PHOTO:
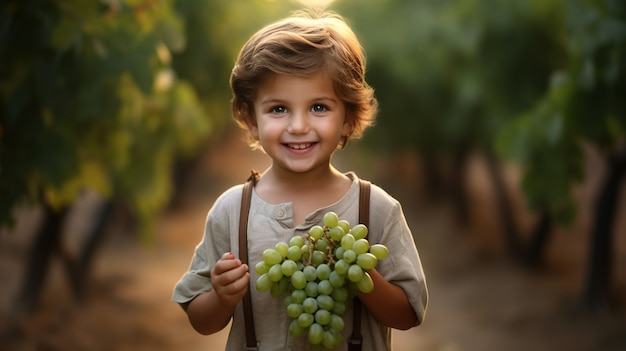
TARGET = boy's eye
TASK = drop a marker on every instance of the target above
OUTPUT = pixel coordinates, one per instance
(278, 109)
(319, 108)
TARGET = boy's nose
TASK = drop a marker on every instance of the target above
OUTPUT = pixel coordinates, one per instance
(298, 123)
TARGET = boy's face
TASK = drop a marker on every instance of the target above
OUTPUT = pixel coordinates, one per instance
(299, 121)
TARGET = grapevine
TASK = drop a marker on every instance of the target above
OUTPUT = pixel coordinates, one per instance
(318, 274)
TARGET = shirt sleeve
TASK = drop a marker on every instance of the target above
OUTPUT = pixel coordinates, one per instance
(403, 266)
(215, 242)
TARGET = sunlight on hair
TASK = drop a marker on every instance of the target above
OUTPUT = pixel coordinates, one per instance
(315, 3)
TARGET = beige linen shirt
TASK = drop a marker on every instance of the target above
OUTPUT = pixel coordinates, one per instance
(270, 223)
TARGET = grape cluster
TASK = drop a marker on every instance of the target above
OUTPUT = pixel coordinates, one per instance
(318, 274)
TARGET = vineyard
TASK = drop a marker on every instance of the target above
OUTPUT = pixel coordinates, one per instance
(502, 131)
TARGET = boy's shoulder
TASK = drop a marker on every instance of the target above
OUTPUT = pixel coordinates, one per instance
(378, 194)
(230, 198)
(381, 196)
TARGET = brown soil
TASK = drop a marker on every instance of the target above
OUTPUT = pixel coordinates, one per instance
(479, 298)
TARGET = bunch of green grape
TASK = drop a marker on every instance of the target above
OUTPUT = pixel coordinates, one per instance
(318, 274)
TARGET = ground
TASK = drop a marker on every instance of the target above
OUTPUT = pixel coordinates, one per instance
(479, 298)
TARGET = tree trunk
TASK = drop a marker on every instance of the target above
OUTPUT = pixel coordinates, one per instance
(46, 243)
(89, 250)
(458, 186)
(598, 277)
(432, 177)
(509, 228)
(534, 252)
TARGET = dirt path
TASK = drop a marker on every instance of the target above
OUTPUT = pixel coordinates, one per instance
(478, 299)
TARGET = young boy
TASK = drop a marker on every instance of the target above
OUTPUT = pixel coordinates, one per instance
(300, 93)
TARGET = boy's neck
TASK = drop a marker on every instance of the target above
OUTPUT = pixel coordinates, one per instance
(320, 178)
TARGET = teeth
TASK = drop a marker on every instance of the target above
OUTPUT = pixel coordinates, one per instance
(299, 146)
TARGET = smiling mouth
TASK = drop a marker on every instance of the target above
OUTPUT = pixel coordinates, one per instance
(299, 146)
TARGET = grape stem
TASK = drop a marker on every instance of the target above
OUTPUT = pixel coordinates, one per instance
(329, 254)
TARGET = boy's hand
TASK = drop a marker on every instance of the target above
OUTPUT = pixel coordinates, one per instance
(230, 279)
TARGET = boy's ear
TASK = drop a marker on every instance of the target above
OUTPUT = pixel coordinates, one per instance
(347, 128)
(251, 123)
(254, 131)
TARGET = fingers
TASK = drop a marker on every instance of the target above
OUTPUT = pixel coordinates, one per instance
(226, 263)
(230, 279)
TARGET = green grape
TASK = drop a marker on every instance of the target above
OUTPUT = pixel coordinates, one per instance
(330, 219)
(298, 280)
(261, 267)
(305, 249)
(339, 252)
(347, 241)
(271, 257)
(366, 284)
(296, 330)
(316, 232)
(339, 308)
(288, 300)
(349, 256)
(275, 273)
(342, 266)
(345, 225)
(323, 271)
(318, 274)
(298, 296)
(310, 273)
(309, 305)
(296, 241)
(336, 233)
(322, 317)
(332, 339)
(289, 267)
(336, 280)
(318, 258)
(380, 251)
(366, 261)
(294, 310)
(361, 246)
(322, 244)
(305, 253)
(311, 289)
(324, 287)
(359, 231)
(282, 248)
(294, 253)
(305, 320)
(336, 323)
(339, 294)
(279, 288)
(263, 283)
(325, 302)
(316, 334)
(284, 286)
(355, 273)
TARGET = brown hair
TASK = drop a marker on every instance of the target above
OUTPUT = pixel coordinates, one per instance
(304, 45)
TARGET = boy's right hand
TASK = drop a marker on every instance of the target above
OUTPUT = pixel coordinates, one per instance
(230, 279)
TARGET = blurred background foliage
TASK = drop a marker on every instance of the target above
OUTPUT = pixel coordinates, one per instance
(109, 95)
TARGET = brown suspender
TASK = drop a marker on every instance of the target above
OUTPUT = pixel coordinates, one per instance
(355, 340)
(251, 343)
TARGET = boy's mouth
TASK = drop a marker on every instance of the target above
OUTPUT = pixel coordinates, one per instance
(299, 146)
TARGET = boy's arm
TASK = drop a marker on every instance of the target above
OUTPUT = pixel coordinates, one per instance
(211, 311)
(389, 304)
(207, 314)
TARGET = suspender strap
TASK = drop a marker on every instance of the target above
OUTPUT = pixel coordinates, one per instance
(251, 343)
(355, 341)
